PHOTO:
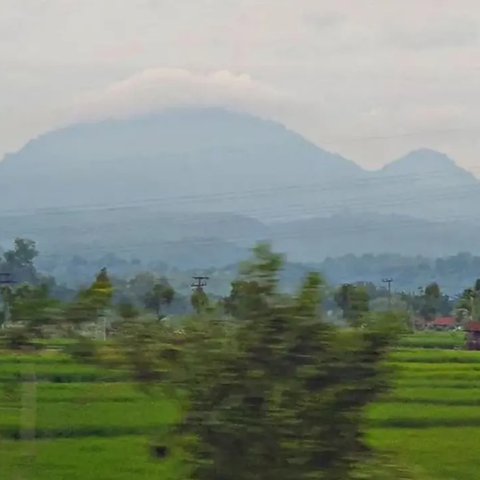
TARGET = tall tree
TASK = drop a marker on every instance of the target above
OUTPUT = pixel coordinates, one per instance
(353, 301)
(101, 290)
(95, 301)
(162, 294)
(199, 300)
(19, 261)
(23, 253)
(431, 302)
(277, 395)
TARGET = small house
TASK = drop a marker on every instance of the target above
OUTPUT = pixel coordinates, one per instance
(473, 335)
(444, 323)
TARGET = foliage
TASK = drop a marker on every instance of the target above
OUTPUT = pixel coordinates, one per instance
(100, 292)
(161, 294)
(469, 302)
(33, 308)
(127, 310)
(354, 302)
(199, 300)
(278, 394)
(15, 338)
(19, 261)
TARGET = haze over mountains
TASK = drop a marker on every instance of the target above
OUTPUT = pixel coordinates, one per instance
(221, 181)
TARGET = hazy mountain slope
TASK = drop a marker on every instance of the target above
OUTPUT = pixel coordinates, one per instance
(427, 184)
(218, 182)
(198, 160)
(147, 234)
(314, 239)
(190, 160)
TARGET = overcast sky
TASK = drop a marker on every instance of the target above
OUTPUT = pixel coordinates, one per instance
(368, 79)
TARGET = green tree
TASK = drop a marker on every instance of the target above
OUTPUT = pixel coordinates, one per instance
(354, 301)
(100, 292)
(272, 399)
(162, 294)
(199, 300)
(34, 310)
(469, 302)
(430, 302)
(277, 395)
(141, 285)
(90, 305)
(127, 310)
(19, 261)
(23, 254)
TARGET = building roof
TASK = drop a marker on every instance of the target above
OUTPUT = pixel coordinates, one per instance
(445, 322)
(473, 327)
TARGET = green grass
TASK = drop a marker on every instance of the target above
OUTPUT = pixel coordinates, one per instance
(120, 458)
(435, 453)
(420, 415)
(60, 372)
(45, 357)
(99, 418)
(435, 356)
(77, 393)
(444, 340)
(94, 425)
(436, 396)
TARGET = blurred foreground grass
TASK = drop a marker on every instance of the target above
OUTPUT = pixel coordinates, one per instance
(93, 425)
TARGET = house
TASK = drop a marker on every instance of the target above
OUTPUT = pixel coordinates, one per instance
(473, 335)
(444, 323)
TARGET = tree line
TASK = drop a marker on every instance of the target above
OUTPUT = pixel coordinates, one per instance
(36, 302)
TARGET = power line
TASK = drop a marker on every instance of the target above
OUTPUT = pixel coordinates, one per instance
(234, 195)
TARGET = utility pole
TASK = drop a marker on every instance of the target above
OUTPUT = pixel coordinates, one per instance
(6, 281)
(199, 299)
(389, 282)
(199, 282)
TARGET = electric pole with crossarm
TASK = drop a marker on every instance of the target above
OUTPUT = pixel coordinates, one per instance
(389, 282)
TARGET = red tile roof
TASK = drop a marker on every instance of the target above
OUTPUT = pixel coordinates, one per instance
(445, 322)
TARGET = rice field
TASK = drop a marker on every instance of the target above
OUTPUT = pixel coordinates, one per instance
(92, 424)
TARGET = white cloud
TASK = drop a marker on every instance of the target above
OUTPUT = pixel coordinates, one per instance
(159, 88)
(340, 72)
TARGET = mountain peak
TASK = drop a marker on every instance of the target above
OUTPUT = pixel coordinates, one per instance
(423, 157)
(423, 161)
(197, 153)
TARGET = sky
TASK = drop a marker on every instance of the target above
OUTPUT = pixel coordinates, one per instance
(370, 80)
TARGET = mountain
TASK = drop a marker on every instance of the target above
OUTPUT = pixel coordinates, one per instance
(194, 187)
(427, 184)
(182, 160)
(312, 240)
(138, 232)
(213, 160)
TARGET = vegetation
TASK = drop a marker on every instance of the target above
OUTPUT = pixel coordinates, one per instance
(427, 423)
(260, 380)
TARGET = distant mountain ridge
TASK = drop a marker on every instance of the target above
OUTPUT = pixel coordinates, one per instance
(216, 160)
(142, 184)
(188, 154)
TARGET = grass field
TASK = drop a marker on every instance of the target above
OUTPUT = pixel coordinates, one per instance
(92, 425)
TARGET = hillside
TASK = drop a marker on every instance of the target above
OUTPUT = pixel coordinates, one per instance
(190, 160)
(215, 182)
